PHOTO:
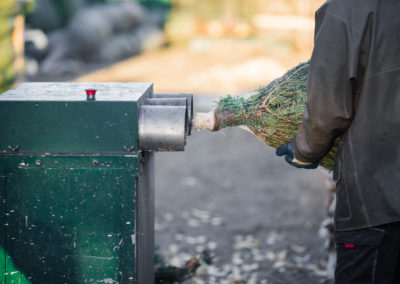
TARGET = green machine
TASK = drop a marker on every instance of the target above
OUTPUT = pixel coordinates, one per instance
(76, 179)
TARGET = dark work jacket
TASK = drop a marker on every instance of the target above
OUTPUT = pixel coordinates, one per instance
(354, 94)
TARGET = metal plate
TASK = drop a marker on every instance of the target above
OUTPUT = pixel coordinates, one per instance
(189, 99)
(162, 128)
(57, 118)
(69, 92)
(54, 127)
(2, 221)
(72, 218)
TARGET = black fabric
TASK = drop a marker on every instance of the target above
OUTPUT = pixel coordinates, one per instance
(368, 256)
(354, 94)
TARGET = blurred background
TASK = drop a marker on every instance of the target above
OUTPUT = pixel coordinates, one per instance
(257, 218)
(209, 47)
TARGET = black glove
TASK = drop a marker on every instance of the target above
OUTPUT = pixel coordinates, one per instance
(287, 150)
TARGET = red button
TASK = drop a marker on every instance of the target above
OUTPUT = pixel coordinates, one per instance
(91, 91)
(349, 246)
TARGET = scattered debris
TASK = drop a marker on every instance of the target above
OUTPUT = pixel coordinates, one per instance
(104, 32)
(173, 274)
(297, 249)
(242, 242)
(273, 238)
(196, 217)
(254, 258)
(248, 261)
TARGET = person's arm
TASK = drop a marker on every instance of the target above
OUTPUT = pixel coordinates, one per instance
(332, 76)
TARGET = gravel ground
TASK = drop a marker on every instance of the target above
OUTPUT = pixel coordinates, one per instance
(230, 195)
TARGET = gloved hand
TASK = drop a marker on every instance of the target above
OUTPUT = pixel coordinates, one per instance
(287, 150)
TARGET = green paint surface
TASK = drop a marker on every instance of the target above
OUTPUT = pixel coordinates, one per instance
(9, 273)
(89, 127)
(57, 117)
(70, 219)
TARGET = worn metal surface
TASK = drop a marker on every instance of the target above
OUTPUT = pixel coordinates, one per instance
(76, 180)
(76, 92)
(174, 102)
(77, 201)
(189, 99)
(71, 220)
(162, 128)
(161, 122)
(166, 102)
(2, 218)
(145, 219)
(40, 117)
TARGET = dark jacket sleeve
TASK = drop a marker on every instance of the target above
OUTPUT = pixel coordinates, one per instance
(332, 76)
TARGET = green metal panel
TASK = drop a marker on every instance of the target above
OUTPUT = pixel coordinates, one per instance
(8, 272)
(57, 118)
(77, 194)
(12, 274)
(57, 127)
(72, 218)
(2, 220)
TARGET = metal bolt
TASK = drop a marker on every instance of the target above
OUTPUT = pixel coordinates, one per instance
(38, 162)
(95, 163)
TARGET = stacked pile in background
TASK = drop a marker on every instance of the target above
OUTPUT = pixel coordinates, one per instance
(8, 73)
(65, 38)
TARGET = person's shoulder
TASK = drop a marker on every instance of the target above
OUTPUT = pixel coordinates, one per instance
(349, 5)
(345, 9)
